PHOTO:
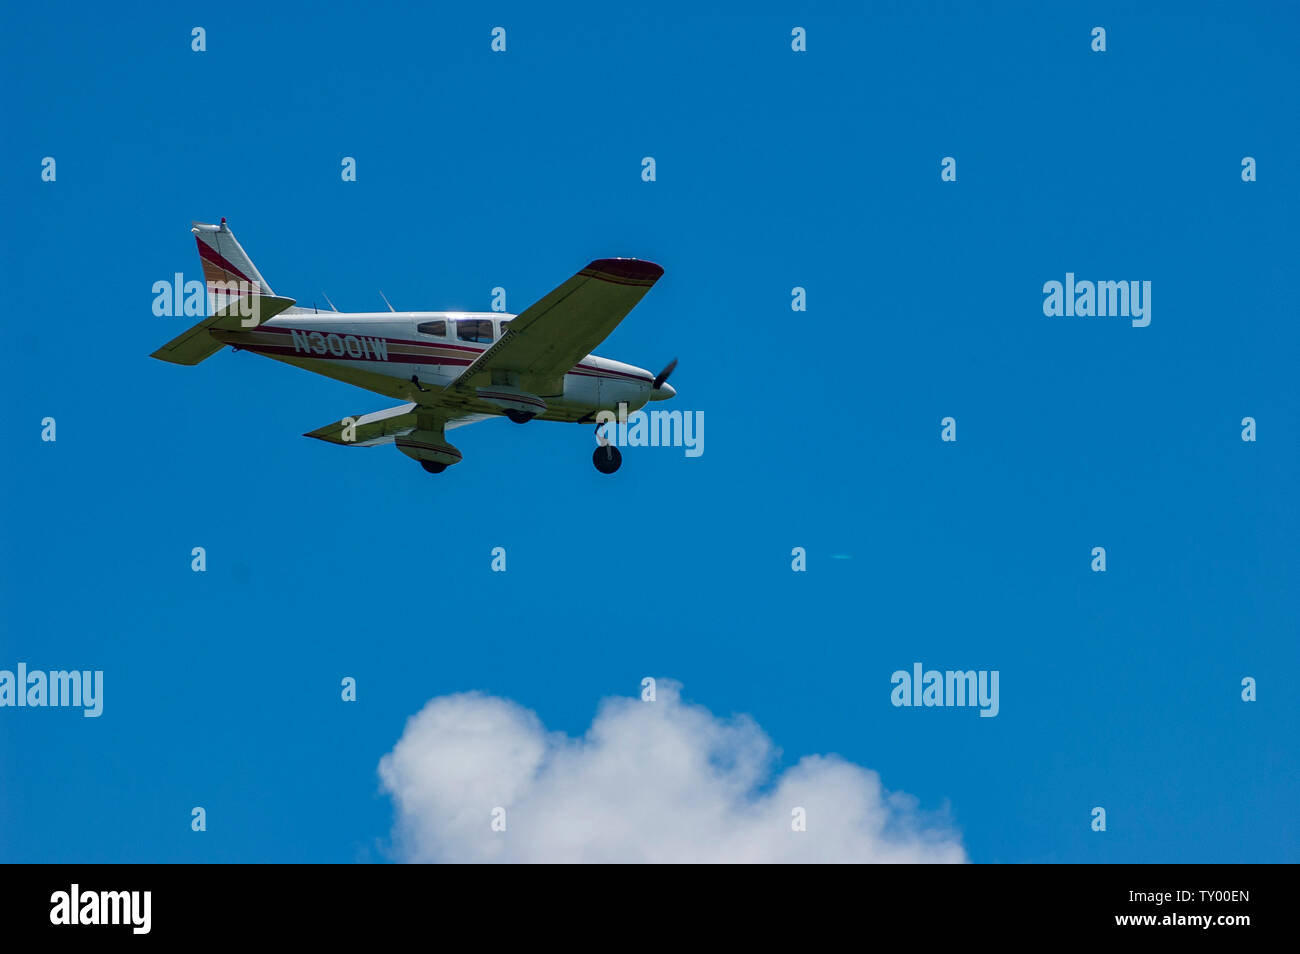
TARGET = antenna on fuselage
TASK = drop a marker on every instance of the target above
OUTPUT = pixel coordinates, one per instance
(327, 298)
(387, 302)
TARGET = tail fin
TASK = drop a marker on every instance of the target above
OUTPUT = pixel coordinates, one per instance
(231, 277)
(225, 263)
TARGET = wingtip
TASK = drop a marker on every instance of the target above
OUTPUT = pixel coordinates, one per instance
(627, 269)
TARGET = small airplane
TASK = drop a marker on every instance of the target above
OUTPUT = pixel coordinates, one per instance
(451, 368)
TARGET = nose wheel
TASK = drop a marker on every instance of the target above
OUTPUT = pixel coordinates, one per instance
(607, 459)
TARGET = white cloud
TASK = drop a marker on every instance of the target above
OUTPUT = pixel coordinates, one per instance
(662, 781)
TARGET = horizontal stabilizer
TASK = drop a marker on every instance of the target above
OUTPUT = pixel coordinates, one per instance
(195, 344)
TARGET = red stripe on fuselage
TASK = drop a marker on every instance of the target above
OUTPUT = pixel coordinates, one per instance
(583, 369)
(577, 368)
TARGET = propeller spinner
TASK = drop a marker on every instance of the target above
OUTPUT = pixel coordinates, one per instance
(662, 376)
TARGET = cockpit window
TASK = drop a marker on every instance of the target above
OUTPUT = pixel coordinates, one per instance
(438, 328)
(474, 329)
(504, 326)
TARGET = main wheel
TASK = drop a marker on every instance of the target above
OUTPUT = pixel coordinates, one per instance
(519, 417)
(432, 466)
(607, 459)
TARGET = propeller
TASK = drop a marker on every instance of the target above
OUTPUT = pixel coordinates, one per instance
(662, 376)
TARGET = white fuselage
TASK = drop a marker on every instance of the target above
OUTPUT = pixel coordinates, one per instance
(391, 352)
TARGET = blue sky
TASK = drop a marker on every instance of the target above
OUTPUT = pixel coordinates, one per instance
(774, 169)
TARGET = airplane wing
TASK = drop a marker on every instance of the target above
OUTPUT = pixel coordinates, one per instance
(548, 338)
(383, 427)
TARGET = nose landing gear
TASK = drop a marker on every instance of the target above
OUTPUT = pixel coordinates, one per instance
(607, 459)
